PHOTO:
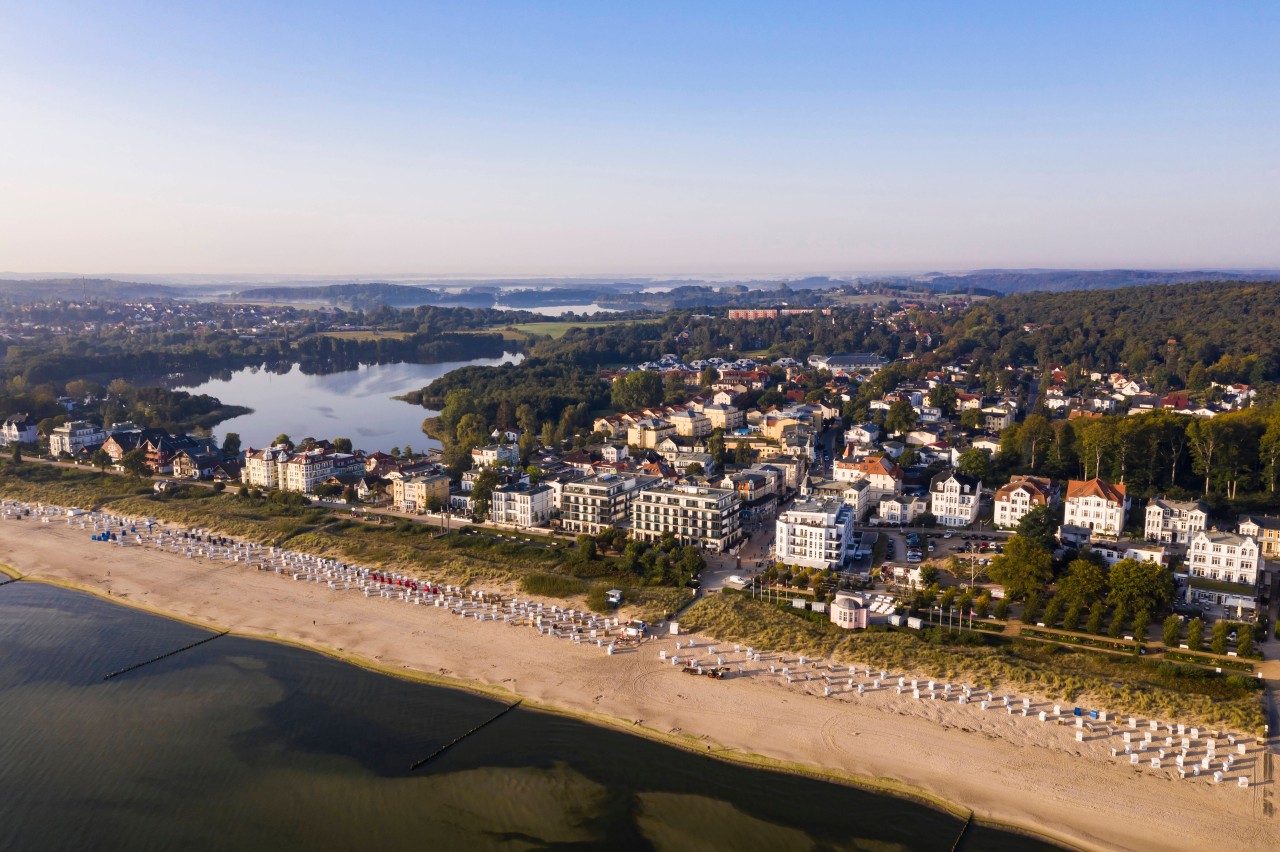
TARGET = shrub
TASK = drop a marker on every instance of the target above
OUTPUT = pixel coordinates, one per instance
(1002, 609)
(982, 605)
(1116, 630)
(552, 585)
(1141, 620)
(1244, 644)
(1096, 613)
(1172, 630)
(1071, 621)
(1052, 611)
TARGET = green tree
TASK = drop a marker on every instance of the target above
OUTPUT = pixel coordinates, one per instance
(586, 547)
(639, 389)
(1031, 609)
(1096, 613)
(1039, 525)
(283, 440)
(1002, 609)
(1195, 634)
(695, 469)
(134, 463)
(482, 493)
(101, 459)
(342, 445)
(971, 419)
(1071, 619)
(982, 605)
(708, 377)
(1172, 631)
(901, 417)
(1084, 582)
(1035, 435)
(976, 463)
(928, 575)
(1024, 569)
(1244, 640)
(15, 453)
(1052, 610)
(1218, 644)
(1139, 586)
(1141, 621)
(1118, 617)
(944, 397)
(231, 444)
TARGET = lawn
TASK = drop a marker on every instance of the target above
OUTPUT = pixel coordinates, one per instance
(557, 329)
(367, 335)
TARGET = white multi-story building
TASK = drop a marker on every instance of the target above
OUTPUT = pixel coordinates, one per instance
(1019, 496)
(648, 432)
(1174, 521)
(814, 534)
(522, 505)
(72, 437)
(262, 468)
(954, 498)
(495, 455)
(417, 493)
(1095, 507)
(901, 510)
(18, 429)
(1224, 569)
(301, 471)
(600, 502)
(726, 417)
(709, 518)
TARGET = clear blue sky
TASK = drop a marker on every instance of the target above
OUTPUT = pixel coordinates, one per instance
(654, 138)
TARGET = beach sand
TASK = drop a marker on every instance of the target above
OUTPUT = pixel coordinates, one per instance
(1007, 769)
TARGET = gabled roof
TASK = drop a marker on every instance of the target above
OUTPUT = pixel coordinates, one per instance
(1096, 488)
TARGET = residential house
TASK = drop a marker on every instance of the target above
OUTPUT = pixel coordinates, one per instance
(1224, 569)
(901, 510)
(1094, 507)
(499, 455)
(522, 504)
(18, 429)
(1264, 529)
(70, 438)
(418, 493)
(1020, 496)
(954, 498)
(1174, 521)
(883, 474)
(648, 432)
(690, 424)
(724, 416)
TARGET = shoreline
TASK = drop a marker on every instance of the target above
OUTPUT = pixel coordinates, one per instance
(774, 737)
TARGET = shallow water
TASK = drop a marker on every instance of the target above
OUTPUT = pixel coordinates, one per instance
(242, 744)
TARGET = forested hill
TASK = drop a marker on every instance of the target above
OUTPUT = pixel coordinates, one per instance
(1059, 280)
(101, 289)
(1162, 330)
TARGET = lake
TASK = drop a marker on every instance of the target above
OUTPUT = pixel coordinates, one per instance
(243, 744)
(355, 404)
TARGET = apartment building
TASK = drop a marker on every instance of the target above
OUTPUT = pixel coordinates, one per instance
(1265, 530)
(415, 493)
(1224, 569)
(1174, 521)
(709, 518)
(814, 534)
(1019, 496)
(954, 498)
(690, 423)
(600, 502)
(521, 504)
(1095, 507)
(70, 438)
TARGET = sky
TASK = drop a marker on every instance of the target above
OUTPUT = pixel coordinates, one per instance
(564, 138)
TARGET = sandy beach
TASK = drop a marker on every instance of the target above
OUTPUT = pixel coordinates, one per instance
(1005, 768)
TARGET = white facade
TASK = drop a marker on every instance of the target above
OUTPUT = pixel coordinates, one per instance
(814, 534)
(902, 510)
(18, 429)
(709, 518)
(1224, 570)
(1096, 506)
(954, 498)
(1174, 521)
(71, 437)
(1020, 496)
(495, 454)
(521, 505)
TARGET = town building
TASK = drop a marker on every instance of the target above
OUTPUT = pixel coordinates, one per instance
(709, 518)
(18, 429)
(603, 501)
(883, 475)
(419, 493)
(954, 498)
(522, 504)
(1019, 496)
(1223, 571)
(727, 417)
(814, 534)
(848, 612)
(648, 432)
(1174, 521)
(71, 438)
(690, 423)
(1094, 507)
(843, 365)
(1265, 530)
(499, 455)
(901, 510)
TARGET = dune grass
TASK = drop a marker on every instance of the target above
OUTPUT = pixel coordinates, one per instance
(1116, 683)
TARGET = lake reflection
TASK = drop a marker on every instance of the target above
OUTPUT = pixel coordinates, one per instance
(355, 404)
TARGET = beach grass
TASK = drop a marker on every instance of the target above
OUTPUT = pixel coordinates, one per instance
(1116, 683)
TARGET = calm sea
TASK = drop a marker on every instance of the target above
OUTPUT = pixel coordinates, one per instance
(241, 744)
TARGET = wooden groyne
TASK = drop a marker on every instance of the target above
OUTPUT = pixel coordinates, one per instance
(968, 821)
(127, 669)
(10, 580)
(504, 711)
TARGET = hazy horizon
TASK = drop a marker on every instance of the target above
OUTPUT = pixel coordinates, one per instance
(744, 139)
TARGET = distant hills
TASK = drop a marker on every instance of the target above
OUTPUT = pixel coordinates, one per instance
(1060, 280)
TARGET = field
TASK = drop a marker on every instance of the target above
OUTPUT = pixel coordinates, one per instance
(557, 329)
